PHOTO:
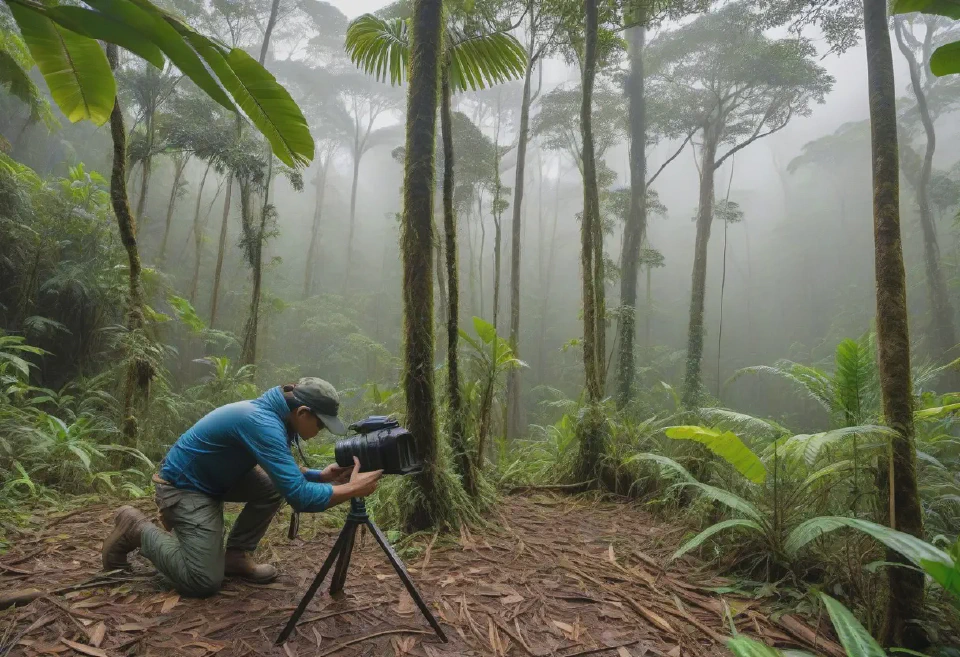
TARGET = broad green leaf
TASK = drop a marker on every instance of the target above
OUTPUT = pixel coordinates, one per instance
(945, 60)
(75, 68)
(725, 445)
(833, 468)
(15, 61)
(853, 636)
(98, 25)
(948, 8)
(727, 498)
(485, 330)
(741, 646)
(262, 99)
(82, 455)
(946, 576)
(912, 548)
(664, 462)
(700, 538)
(152, 23)
(936, 412)
(810, 445)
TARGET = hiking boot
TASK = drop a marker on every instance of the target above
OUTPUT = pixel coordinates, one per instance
(238, 563)
(125, 538)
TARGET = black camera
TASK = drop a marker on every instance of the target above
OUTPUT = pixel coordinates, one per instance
(380, 444)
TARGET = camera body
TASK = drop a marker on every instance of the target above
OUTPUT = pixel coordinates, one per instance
(381, 444)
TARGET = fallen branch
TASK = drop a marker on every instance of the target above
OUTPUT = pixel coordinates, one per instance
(352, 642)
(594, 651)
(19, 598)
(523, 489)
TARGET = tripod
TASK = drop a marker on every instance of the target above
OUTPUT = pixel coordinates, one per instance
(341, 553)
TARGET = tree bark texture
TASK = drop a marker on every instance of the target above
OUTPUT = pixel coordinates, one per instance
(636, 227)
(592, 356)
(905, 602)
(458, 438)
(417, 251)
(698, 292)
(139, 371)
(942, 327)
(514, 418)
(221, 247)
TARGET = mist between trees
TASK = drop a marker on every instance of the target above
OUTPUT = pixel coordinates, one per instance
(698, 234)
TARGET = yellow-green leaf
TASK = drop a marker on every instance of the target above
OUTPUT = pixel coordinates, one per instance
(75, 68)
(727, 446)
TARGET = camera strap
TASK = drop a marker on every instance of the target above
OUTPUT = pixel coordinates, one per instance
(294, 515)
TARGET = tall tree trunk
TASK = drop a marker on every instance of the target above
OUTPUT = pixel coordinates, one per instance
(636, 226)
(221, 248)
(139, 371)
(545, 293)
(698, 290)
(592, 357)
(256, 233)
(353, 213)
(417, 255)
(514, 418)
(905, 602)
(483, 244)
(145, 169)
(198, 237)
(179, 166)
(591, 425)
(441, 277)
(649, 314)
(458, 438)
(944, 335)
(497, 264)
(321, 184)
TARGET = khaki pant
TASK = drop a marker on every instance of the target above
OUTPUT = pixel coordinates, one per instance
(192, 556)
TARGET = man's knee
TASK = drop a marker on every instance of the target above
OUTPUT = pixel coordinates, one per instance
(201, 585)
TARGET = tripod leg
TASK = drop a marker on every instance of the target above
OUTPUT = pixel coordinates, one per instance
(312, 591)
(343, 563)
(405, 578)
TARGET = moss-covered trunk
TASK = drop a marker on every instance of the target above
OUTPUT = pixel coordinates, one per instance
(941, 325)
(458, 439)
(636, 226)
(514, 423)
(416, 241)
(905, 602)
(698, 291)
(136, 385)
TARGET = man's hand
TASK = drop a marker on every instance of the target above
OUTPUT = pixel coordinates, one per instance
(334, 474)
(360, 484)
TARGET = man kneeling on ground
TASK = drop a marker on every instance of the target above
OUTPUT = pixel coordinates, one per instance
(237, 453)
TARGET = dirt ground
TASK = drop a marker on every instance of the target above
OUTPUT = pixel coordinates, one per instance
(553, 576)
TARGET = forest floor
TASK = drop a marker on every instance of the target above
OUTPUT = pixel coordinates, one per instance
(552, 575)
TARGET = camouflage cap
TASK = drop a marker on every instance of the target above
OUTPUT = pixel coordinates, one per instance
(321, 398)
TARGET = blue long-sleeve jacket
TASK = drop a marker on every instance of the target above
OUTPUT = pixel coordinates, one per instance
(231, 440)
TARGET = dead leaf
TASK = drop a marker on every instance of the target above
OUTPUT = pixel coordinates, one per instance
(133, 627)
(450, 579)
(97, 634)
(623, 652)
(674, 652)
(609, 612)
(566, 627)
(610, 556)
(406, 606)
(86, 650)
(170, 603)
(511, 599)
(290, 651)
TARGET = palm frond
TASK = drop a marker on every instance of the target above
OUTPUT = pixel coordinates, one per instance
(484, 60)
(379, 47)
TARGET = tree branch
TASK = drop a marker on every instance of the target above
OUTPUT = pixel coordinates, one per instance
(672, 157)
(756, 135)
